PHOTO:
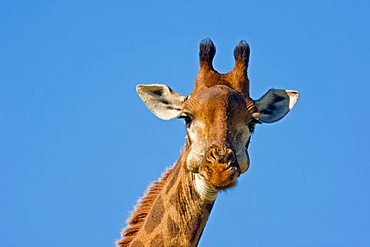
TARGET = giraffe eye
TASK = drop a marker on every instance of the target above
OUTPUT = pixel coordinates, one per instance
(188, 121)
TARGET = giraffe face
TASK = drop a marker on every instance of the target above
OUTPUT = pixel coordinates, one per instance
(218, 133)
(219, 116)
(219, 126)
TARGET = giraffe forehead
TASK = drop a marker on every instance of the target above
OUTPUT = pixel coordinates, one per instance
(219, 101)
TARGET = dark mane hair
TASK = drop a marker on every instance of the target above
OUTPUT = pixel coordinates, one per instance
(138, 216)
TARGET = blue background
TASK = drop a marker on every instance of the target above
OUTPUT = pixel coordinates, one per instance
(78, 147)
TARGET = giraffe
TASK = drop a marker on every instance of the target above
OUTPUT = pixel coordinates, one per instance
(219, 116)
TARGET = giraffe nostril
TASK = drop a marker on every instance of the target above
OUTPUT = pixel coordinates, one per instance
(212, 155)
(229, 156)
(221, 155)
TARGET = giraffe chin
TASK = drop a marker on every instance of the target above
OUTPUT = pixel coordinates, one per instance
(220, 176)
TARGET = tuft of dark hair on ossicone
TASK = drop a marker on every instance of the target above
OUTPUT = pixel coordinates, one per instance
(207, 51)
(241, 54)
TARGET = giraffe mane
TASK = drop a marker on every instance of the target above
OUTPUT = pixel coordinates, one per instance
(142, 209)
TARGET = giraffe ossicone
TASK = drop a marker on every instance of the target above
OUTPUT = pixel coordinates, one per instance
(220, 117)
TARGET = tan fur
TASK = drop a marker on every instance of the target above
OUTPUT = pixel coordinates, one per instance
(176, 214)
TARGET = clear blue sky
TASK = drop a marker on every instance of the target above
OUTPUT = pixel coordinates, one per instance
(78, 147)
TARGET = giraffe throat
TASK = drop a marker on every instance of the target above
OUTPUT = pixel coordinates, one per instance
(173, 212)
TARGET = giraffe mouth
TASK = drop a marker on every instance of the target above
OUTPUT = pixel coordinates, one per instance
(220, 176)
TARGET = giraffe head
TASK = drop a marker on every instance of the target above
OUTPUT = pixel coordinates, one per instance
(219, 115)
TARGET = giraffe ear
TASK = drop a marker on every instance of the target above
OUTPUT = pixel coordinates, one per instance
(161, 100)
(275, 104)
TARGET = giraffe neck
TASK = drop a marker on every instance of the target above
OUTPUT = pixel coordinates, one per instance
(179, 212)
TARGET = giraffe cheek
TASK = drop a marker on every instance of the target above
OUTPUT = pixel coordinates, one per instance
(193, 166)
(194, 160)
